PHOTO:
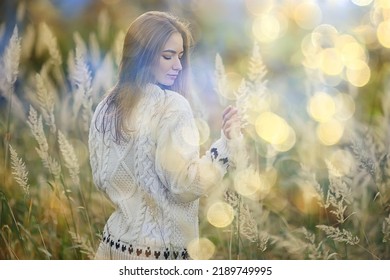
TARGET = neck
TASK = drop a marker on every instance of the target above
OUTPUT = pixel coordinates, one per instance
(163, 87)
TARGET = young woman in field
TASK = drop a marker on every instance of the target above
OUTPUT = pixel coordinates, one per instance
(144, 149)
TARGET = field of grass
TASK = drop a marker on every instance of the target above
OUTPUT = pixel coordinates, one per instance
(311, 182)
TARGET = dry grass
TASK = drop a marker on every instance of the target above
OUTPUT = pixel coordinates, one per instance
(299, 202)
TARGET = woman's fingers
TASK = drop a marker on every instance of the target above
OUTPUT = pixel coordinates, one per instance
(231, 122)
(229, 113)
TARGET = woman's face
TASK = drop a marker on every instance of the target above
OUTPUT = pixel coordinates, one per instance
(169, 63)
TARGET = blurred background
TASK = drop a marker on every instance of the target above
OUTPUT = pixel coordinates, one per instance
(310, 77)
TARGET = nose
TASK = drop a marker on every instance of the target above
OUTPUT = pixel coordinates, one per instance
(177, 65)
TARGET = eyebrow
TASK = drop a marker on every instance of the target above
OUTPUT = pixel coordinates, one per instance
(172, 51)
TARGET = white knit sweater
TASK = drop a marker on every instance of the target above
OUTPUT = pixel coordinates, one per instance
(155, 178)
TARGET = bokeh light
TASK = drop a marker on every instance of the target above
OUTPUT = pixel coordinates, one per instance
(358, 73)
(383, 32)
(266, 28)
(201, 249)
(321, 107)
(247, 182)
(307, 15)
(324, 36)
(331, 62)
(255, 105)
(351, 52)
(345, 106)
(330, 132)
(288, 143)
(220, 214)
(272, 128)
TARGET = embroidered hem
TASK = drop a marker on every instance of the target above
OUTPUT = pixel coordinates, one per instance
(110, 248)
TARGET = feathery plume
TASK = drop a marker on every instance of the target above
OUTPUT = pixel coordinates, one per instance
(263, 240)
(339, 195)
(50, 41)
(257, 69)
(36, 127)
(11, 58)
(248, 225)
(19, 171)
(309, 178)
(242, 101)
(221, 80)
(365, 160)
(46, 103)
(82, 82)
(84, 244)
(81, 46)
(339, 235)
(70, 158)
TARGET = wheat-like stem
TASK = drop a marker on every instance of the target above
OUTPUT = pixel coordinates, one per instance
(71, 162)
(70, 158)
(10, 65)
(257, 68)
(83, 244)
(51, 43)
(46, 103)
(221, 86)
(336, 234)
(36, 127)
(19, 171)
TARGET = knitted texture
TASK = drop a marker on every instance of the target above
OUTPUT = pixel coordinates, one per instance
(155, 178)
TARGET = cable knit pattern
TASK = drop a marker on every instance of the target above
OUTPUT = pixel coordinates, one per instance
(155, 178)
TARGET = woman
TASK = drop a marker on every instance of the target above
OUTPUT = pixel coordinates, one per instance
(144, 149)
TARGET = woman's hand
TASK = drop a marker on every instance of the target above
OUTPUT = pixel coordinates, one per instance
(231, 122)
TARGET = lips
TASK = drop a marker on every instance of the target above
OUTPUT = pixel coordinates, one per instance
(172, 76)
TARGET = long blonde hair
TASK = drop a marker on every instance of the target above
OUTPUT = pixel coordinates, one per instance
(143, 43)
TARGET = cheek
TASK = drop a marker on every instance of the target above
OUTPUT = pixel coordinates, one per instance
(164, 66)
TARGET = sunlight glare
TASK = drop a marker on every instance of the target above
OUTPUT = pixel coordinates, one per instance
(220, 214)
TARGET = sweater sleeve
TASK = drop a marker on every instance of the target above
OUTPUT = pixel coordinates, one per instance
(178, 164)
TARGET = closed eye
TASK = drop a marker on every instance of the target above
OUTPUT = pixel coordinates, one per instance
(168, 54)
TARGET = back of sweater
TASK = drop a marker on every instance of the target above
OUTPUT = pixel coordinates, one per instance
(155, 178)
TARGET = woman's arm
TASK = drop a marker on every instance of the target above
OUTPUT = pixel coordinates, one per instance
(178, 164)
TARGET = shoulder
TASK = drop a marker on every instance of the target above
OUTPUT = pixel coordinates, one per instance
(176, 101)
(168, 100)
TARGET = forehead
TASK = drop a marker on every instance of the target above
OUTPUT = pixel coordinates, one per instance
(175, 42)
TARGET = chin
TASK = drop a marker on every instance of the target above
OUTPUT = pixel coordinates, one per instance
(168, 84)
